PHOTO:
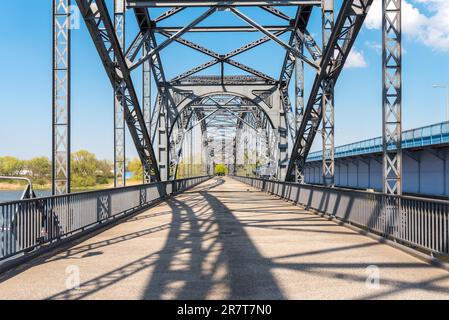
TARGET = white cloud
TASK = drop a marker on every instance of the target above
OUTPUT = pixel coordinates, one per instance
(355, 60)
(374, 45)
(429, 26)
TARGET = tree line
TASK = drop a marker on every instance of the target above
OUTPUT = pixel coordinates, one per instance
(87, 170)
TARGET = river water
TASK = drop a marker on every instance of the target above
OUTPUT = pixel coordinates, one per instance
(11, 195)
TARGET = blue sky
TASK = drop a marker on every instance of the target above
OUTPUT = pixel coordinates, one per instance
(25, 60)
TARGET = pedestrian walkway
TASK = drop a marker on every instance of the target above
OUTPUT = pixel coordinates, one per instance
(225, 240)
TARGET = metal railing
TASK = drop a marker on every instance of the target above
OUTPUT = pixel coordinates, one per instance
(419, 137)
(26, 225)
(417, 222)
(28, 192)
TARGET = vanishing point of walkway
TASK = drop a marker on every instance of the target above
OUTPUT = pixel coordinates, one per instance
(224, 239)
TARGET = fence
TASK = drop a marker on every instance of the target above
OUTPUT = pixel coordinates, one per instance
(417, 222)
(28, 224)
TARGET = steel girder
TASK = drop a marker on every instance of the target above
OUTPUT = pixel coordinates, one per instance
(291, 63)
(238, 80)
(165, 110)
(168, 14)
(327, 132)
(348, 24)
(119, 116)
(100, 27)
(172, 38)
(270, 28)
(61, 98)
(276, 12)
(299, 87)
(225, 3)
(146, 96)
(286, 46)
(221, 59)
(391, 96)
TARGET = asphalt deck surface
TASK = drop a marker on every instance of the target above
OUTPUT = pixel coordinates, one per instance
(225, 240)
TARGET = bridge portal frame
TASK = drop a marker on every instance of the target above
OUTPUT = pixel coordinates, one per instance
(269, 104)
(327, 63)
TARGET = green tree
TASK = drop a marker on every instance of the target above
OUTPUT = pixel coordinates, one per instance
(11, 166)
(221, 169)
(135, 166)
(105, 171)
(85, 169)
(40, 170)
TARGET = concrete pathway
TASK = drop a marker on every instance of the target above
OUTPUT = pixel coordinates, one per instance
(224, 239)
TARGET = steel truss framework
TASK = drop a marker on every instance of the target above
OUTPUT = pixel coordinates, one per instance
(350, 19)
(100, 26)
(175, 112)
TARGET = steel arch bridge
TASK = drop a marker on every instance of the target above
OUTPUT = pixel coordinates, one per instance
(251, 122)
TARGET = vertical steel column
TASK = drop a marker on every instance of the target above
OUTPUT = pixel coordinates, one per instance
(223, 148)
(61, 98)
(119, 115)
(164, 147)
(299, 94)
(328, 101)
(327, 7)
(391, 95)
(245, 151)
(191, 153)
(146, 95)
(234, 153)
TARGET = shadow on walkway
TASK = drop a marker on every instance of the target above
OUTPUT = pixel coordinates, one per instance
(208, 253)
(210, 250)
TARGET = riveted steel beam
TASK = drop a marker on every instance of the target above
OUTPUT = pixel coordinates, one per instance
(226, 3)
(208, 29)
(100, 27)
(347, 26)
(221, 59)
(172, 38)
(392, 96)
(274, 38)
(119, 114)
(61, 98)
(327, 132)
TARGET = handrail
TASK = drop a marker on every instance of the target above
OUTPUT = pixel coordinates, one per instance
(416, 222)
(406, 197)
(29, 224)
(96, 191)
(28, 190)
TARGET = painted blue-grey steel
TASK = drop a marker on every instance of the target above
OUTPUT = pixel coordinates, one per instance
(27, 225)
(416, 222)
(420, 137)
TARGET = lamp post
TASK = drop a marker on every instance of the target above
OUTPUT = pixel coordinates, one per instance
(446, 87)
